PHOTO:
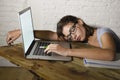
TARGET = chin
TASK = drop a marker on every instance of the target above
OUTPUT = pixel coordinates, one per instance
(82, 39)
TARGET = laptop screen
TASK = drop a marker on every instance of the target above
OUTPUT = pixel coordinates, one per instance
(27, 27)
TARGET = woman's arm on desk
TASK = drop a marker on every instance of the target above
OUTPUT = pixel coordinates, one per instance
(41, 34)
(45, 34)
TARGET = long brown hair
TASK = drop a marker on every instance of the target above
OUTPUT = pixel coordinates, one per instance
(69, 18)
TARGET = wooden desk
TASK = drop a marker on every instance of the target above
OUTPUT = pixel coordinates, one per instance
(16, 73)
(57, 70)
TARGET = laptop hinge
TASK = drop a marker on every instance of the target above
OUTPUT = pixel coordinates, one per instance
(30, 48)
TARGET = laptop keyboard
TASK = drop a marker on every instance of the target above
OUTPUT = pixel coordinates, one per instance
(40, 49)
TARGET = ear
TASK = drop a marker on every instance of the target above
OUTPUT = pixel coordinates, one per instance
(80, 22)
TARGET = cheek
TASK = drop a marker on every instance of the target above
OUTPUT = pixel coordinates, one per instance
(82, 34)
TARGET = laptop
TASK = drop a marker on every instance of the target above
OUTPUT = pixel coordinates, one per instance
(34, 48)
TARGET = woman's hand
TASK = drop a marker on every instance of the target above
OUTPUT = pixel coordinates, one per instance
(57, 49)
(12, 36)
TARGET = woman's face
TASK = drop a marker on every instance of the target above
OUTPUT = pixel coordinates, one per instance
(77, 30)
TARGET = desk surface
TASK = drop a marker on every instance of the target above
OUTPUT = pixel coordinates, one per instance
(16, 73)
(57, 70)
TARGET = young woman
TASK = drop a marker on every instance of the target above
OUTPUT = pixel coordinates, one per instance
(71, 28)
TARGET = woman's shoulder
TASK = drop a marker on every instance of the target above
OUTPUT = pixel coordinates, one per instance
(104, 29)
(101, 31)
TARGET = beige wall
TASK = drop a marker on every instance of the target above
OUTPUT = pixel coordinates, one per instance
(9, 17)
(46, 13)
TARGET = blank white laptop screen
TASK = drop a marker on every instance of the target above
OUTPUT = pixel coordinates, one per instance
(27, 29)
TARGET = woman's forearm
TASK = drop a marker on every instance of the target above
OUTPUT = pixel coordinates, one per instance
(93, 53)
(45, 34)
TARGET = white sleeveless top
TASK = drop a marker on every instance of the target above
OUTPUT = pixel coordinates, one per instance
(101, 31)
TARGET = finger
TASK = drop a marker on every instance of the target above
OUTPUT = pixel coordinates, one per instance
(11, 40)
(49, 47)
(8, 38)
(52, 46)
(9, 43)
(49, 51)
(46, 49)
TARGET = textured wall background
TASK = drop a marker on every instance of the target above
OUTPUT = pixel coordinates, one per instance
(46, 13)
(9, 17)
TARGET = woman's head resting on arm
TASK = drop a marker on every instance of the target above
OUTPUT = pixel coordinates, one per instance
(72, 28)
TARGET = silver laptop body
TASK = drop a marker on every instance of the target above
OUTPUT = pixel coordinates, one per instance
(34, 49)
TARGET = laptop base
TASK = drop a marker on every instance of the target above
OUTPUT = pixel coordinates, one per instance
(60, 58)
